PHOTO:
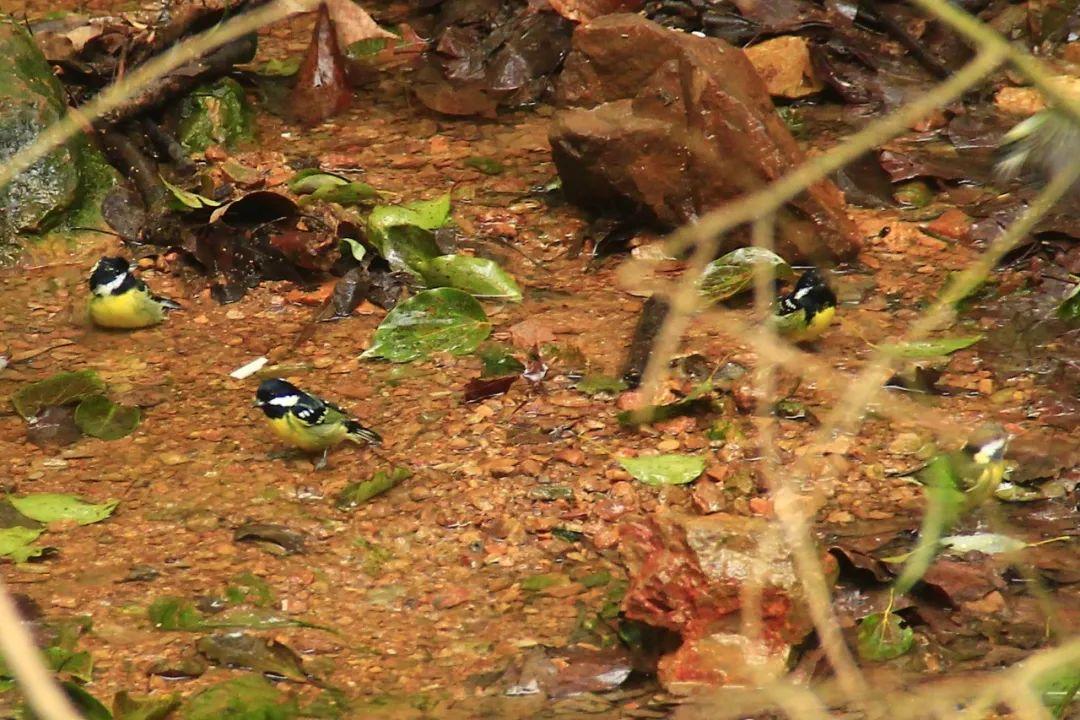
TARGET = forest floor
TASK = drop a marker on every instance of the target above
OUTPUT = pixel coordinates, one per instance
(430, 589)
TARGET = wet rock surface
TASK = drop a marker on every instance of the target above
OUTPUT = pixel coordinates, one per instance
(687, 575)
(671, 125)
(30, 100)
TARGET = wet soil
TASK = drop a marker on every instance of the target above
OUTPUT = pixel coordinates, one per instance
(423, 584)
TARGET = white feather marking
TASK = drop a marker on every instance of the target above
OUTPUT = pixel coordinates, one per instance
(107, 288)
(285, 401)
(991, 449)
(803, 292)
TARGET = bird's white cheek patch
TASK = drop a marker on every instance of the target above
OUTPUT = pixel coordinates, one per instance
(108, 287)
(285, 401)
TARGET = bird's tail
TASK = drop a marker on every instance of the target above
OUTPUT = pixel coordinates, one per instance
(167, 303)
(360, 434)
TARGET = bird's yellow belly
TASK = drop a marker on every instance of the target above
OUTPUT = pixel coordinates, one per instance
(816, 327)
(128, 311)
(307, 437)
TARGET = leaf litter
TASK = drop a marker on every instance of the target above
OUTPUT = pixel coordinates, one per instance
(507, 488)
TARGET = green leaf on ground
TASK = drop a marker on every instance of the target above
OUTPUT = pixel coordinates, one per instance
(77, 665)
(443, 320)
(358, 493)
(249, 588)
(100, 417)
(486, 165)
(215, 114)
(403, 234)
(286, 67)
(64, 388)
(498, 361)
(986, 543)
(883, 636)
(151, 707)
(930, 348)
(366, 48)
(664, 469)
(17, 543)
(49, 507)
(174, 613)
(536, 583)
(733, 273)
(187, 200)
(479, 277)
(354, 248)
(246, 698)
(311, 180)
(88, 706)
(353, 193)
(600, 384)
(1069, 309)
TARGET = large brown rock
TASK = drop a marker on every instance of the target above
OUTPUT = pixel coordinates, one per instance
(676, 125)
(687, 574)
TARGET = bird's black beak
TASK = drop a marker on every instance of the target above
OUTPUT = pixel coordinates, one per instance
(258, 404)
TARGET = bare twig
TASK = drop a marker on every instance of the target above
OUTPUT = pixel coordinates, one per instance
(22, 656)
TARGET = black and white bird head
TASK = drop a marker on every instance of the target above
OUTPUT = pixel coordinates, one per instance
(277, 397)
(987, 444)
(111, 276)
(811, 293)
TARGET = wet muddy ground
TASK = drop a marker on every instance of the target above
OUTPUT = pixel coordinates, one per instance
(426, 587)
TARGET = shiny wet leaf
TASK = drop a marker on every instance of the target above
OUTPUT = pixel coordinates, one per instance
(241, 650)
(246, 698)
(479, 277)
(883, 636)
(443, 320)
(358, 493)
(100, 417)
(671, 469)
(930, 348)
(61, 389)
(733, 273)
(50, 507)
(151, 707)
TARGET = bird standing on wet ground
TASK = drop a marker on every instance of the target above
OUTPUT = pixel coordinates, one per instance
(805, 313)
(957, 483)
(307, 422)
(119, 300)
(1047, 142)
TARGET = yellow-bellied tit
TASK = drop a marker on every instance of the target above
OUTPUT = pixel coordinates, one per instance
(308, 422)
(803, 314)
(118, 299)
(1047, 141)
(956, 483)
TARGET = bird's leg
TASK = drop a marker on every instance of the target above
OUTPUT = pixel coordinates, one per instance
(321, 462)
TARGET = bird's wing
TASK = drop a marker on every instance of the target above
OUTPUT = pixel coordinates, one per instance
(167, 303)
(311, 410)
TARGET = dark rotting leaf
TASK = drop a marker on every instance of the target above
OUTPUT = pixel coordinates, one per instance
(241, 650)
(288, 541)
(479, 388)
(653, 313)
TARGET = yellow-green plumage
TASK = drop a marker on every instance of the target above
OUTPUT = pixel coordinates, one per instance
(796, 329)
(310, 438)
(307, 422)
(133, 309)
(805, 313)
(956, 484)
